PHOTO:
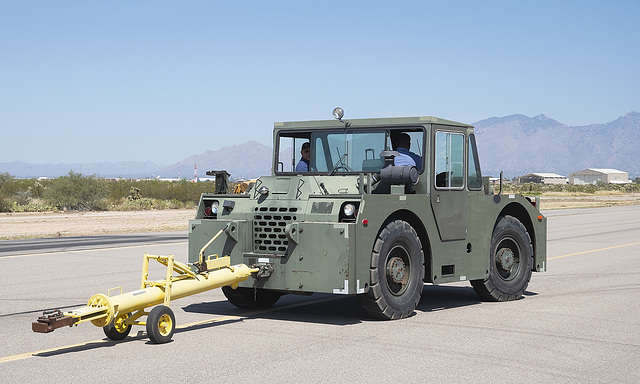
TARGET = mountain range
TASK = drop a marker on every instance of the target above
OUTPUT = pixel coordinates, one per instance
(519, 145)
(243, 161)
(515, 144)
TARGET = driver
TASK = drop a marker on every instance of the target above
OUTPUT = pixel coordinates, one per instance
(303, 164)
(402, 144)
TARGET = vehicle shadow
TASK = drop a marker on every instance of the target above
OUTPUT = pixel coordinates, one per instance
(337, 310)
(442, 297)
(318, 308)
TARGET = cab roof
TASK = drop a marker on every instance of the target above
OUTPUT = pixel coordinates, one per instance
(356, 123)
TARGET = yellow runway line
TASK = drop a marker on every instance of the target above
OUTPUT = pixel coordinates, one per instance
(595, 250)
(31, 354)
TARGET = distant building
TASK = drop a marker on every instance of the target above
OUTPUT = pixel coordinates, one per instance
(543, 178)
(496, 180)
(595, 175)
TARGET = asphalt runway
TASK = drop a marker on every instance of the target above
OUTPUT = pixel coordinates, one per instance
(68, 244)
(578, 323)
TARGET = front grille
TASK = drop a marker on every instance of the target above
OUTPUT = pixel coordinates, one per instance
(268, 229)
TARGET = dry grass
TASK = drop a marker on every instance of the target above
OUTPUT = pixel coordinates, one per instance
(59, 224)
(558, 200)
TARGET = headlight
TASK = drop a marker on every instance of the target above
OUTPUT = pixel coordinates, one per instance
(214, 207)
(338, 113)
(349, 209)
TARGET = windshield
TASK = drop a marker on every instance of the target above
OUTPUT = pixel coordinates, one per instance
(348, 151)
(334, 152)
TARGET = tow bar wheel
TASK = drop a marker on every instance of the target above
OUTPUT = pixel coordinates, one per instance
(117, 329)
(161, 323)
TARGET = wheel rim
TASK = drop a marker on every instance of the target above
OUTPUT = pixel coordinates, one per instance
(120, 325)
(507, 258)
(101, 300)
(398, 270)
(165, 325)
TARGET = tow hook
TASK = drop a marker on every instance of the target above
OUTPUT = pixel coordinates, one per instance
(51, 320)
(264, 270)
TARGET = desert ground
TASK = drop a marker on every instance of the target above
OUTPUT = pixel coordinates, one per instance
(58, 224)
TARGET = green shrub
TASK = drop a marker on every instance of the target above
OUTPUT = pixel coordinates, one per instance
(22, 197)
(5, 204)
(34, 205)
(77, 192)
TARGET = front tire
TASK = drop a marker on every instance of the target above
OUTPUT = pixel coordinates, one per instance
(251, 298)
(117, 329)
(396, 273)
(510, 265)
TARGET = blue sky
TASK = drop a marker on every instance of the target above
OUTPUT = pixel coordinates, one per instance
(89, 81)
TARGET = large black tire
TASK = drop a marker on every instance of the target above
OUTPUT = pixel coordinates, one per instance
(511, 261)
(396, 272)
(161, 323)
(117, 329)
(251, 298)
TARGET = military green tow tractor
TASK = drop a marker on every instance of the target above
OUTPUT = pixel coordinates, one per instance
(381, 207)
(367, 207)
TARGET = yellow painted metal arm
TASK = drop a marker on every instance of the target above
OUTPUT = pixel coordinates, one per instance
(102, 309)
(201, 254)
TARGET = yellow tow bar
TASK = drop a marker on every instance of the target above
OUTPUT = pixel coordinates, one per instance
(116, 314)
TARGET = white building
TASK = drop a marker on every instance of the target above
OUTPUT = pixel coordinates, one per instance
(595, 175)
(543, 178)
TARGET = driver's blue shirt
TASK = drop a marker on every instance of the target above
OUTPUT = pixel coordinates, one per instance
(303, 165)
(408, 158)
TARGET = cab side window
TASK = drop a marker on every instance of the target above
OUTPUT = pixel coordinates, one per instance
(289, 150)
(449, 160)
(474, 177)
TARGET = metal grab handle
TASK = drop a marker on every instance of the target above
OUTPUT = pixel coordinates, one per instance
(201, 254)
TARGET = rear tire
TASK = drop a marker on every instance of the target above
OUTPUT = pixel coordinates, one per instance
(396, 273)
(510, 263)
(251, 298)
